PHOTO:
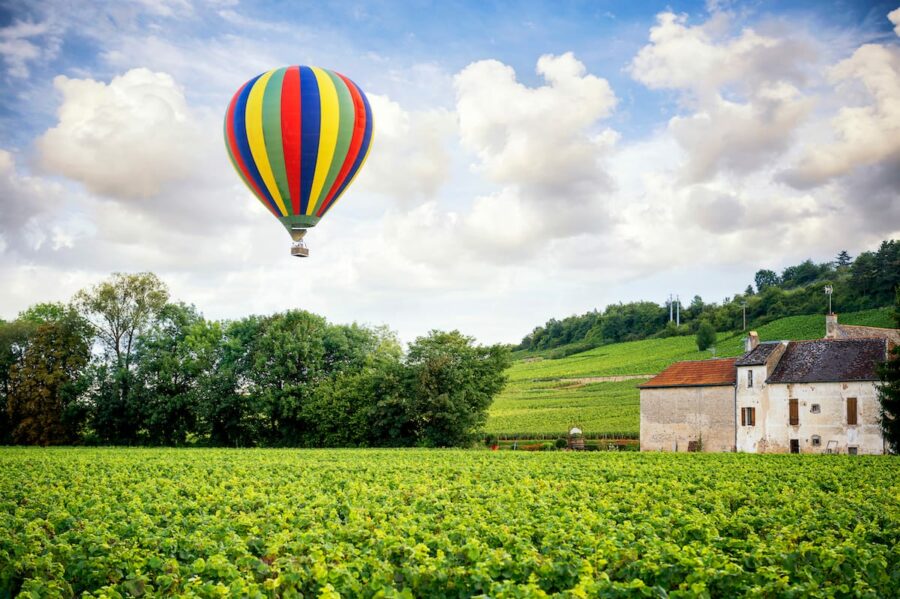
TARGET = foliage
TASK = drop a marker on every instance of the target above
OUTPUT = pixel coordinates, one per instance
(867, 282)
(765, 278)
(122, 307)
(452, 382)
(889, 391)
(414, 523)
(706, 336)
(843, 259)
(14, 339)
(43, 385)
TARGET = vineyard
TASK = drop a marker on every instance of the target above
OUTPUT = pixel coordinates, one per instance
(548, 396)
(420, 523)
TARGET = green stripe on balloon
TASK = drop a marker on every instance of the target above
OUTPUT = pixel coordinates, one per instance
(344, 137)
(271, 117)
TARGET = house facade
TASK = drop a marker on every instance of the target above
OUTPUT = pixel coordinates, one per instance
(817, 396)
(689, 407)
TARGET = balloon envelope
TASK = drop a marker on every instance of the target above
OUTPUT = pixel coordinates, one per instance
(297, 136)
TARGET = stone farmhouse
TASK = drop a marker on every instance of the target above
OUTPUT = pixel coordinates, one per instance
(816, 396)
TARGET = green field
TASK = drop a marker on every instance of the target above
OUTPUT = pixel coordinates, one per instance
(555, 406)
(538, 399)
(433, 523)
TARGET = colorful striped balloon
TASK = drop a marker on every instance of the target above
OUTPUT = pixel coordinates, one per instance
(297, 136)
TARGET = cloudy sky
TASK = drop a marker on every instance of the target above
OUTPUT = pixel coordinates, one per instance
(530, 159)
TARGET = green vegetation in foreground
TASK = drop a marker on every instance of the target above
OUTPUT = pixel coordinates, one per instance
(536, 400)
(405, 523)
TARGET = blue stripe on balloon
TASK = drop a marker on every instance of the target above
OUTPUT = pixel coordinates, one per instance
(363, 150)
(240, 135)
(310, 124)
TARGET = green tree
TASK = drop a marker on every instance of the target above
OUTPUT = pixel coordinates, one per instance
(706, 336)
(167, 374)
(843, 259)
(765, 279)
(45, 384)
(119, 310)
(229, 414)
(15, 337)
(44, 313)
(889, 391)
(451, 384)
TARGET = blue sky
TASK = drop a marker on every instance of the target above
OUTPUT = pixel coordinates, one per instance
(530, 160)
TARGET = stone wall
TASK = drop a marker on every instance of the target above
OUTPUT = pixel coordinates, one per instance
(672, 417)
(829, 423)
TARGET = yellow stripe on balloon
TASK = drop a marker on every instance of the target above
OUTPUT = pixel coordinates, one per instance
(328, 133)
(254, 120)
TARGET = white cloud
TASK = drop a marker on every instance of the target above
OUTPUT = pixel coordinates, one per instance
(534, 136)
(409, 158)
(894, 17)
(864, 133)
(742, 91)
(124, 139)
(25, 42)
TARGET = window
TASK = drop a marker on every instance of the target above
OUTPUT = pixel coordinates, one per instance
(851, 411)
(816, 441)
(815, 408)
(795, 445)
(853, 450)
(748, 416)
(749, 378)
(794, 412)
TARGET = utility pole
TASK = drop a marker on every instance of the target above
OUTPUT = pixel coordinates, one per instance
(828, 291)
(677, 311)
(744, 308)
(671, 307)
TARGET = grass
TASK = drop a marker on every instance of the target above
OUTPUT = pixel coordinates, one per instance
(539, 399)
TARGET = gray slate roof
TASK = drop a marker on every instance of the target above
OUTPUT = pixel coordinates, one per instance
(758, 355)
(830, 360)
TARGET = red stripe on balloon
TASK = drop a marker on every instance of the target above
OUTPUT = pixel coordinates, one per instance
(359, 130)
(291, 126)
(236, 154)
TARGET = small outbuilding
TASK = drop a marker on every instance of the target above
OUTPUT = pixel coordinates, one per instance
(689, 406)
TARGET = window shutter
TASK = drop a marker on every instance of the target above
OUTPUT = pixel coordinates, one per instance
(794, 412)
(752, 416)
(743, 416)
(851, 410)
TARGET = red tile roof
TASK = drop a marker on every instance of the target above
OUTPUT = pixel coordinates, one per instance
(698, 373)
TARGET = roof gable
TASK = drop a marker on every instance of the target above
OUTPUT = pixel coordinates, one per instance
(697, 373)
(759, 355)
(830, 360)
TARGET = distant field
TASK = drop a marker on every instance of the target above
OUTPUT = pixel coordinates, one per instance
(537, 400)
(256, 523)
(555, 406)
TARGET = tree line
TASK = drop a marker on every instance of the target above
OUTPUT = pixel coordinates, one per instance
(868, 281)
(122, 364)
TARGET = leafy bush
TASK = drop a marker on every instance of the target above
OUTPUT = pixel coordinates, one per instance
(706, 336)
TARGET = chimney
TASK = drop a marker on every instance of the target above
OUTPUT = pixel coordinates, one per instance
(751, 341)
(831, 326)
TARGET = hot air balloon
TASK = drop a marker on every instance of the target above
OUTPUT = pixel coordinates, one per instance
(297, 136)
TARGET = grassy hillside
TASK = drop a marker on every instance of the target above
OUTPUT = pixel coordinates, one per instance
(539, 399)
